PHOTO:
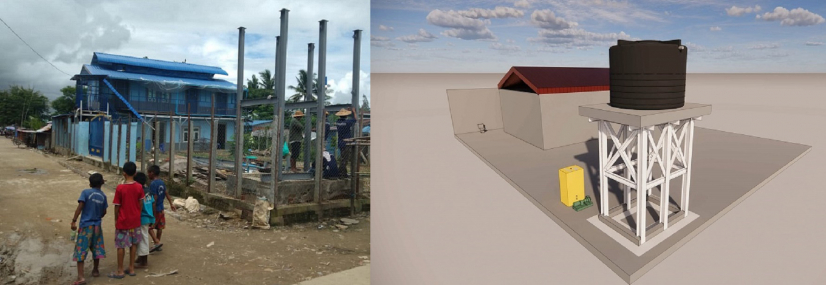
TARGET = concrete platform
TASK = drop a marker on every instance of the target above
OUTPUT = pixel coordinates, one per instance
(643, 118)
(724, 174)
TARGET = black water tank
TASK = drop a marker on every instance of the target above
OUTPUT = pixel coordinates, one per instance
(647, 75)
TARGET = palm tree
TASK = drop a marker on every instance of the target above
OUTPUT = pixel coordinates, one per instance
(300, 90)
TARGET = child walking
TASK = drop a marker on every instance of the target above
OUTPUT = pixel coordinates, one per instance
(91, 207)
(158, 188)
(147, 218)
(127, 202)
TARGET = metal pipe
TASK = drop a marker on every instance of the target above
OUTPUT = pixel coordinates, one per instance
(239, 128)
(322, 93)
(308, 95)
(142, 149)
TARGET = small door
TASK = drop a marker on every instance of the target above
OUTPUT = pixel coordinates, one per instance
(222, 135)
(96, 128)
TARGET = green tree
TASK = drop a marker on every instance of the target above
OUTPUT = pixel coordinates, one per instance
(301, 92)
(261, 87)
(22, 106)
(365, 105)
(65, 103)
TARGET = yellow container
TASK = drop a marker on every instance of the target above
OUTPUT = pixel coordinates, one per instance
(571, 184)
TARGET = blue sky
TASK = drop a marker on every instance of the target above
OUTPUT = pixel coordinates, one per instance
(491, 36)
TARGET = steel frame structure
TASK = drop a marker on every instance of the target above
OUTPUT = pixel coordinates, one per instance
(671, 151)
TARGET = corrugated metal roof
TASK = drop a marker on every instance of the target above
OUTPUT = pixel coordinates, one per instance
(549, 80)
(214, 83)
(154, 63)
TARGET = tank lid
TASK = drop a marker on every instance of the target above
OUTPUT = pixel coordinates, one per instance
(671, 42)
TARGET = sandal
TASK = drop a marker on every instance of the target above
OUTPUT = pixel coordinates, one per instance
(155, 248)
(79, 282)
(130, 273)
(116, 276)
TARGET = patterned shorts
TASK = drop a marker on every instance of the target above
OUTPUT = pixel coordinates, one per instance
(89, 239)
(160, 221)
(128, 238)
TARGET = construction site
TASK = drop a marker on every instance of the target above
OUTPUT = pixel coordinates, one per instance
(268, 186)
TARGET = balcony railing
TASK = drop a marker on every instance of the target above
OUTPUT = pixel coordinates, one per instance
(178, 107)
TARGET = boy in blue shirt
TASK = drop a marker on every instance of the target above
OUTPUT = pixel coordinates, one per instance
(91, 208)
(158, 189)
(147, 219)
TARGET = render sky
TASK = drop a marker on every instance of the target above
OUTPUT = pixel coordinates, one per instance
(432, 36)
(66, 33)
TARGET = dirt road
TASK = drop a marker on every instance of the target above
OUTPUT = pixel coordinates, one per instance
(38, 197)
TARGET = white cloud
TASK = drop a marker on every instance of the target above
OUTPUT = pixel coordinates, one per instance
(715, 29)
(385, 28)
(577, 37)
(765, 46)
(422, 36)
(453, 19)
(343, 88)
(510, 41)
(795, 17)
(466, 34)
(739, 11)
(814, 43)
(522, 4)
(378, 38)
(378, 41)
(501, 47)
(692, 47)
(498, 12)
(548, 20)
(461, 26)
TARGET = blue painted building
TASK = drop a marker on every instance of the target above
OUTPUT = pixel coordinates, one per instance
(118, 88)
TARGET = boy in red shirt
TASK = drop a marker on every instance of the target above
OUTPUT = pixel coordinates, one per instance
(127, 202)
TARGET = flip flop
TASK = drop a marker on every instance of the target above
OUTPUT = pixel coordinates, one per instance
(155, 248)
(130, 273)
(79, 282)
(116, 276)
(95, 274)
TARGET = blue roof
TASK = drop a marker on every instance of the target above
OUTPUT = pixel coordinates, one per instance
(154, 63)
(212, 83)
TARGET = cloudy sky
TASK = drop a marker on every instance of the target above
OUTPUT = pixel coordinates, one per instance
(492, 36)
(66, 33)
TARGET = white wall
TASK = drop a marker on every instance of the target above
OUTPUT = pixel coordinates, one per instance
(470, 107)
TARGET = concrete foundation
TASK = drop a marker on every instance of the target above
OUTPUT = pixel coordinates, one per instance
(725, 173)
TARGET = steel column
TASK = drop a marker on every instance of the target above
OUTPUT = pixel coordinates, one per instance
(603, 186)
(322, 94)
(642, 175)
(308, 96)
(239, 128)
(689, 141)
(664, 188)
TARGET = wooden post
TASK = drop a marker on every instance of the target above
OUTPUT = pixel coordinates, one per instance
(171, 147)
(128, 136)
(212, 147)
(142, 151)
(189, 146)
(157, 144)
(120, 131)
(111, 150)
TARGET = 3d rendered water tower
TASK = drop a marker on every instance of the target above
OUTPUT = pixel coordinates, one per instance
(652, 142)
